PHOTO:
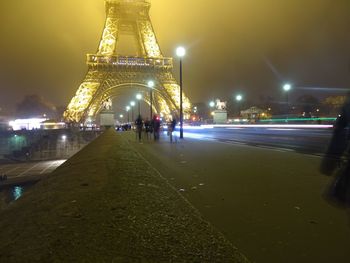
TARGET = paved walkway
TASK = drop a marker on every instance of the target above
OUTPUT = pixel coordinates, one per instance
(107, 204)
(267, 202)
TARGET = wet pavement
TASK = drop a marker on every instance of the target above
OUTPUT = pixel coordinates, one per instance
(30, 168)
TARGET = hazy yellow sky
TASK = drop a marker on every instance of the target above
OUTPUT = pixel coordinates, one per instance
(233, 45)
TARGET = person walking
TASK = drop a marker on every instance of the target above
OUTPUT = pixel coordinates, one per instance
(171, 129)
(156, 127)
(148, 128)
(139, 126)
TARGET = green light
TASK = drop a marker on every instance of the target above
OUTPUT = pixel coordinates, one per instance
(299, 119)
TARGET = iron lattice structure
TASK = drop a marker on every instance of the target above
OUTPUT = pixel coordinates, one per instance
(109, 74)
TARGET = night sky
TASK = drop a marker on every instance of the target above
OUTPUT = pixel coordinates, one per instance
(248, 46)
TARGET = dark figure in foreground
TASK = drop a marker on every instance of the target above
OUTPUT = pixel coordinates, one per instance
(336, 160)
(139, 125)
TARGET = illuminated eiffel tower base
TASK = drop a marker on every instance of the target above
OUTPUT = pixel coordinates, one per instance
(110, 74)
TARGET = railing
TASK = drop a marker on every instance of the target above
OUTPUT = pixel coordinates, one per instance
(129, 61)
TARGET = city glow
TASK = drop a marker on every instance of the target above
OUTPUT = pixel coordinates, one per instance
(26, 124)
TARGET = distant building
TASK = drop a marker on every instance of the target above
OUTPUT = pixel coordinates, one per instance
(254, 114)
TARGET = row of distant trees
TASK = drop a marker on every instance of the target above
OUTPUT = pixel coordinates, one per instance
(305, 105)
(36, 106)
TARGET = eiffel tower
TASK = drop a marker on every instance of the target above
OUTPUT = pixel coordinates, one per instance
(110, 74)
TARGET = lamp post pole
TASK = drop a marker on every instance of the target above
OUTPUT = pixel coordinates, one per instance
(180, 52)
(238, 99)
(150, 105)
(139, 97)
(181, 110)
(150, 84)
(127, 111)
(132, 104)
(287, 87)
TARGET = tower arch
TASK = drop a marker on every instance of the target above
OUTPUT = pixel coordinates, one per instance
(108, 69)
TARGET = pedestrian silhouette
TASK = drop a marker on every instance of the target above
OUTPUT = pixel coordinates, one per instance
(148, 128)
(139, 125)
(336, 160)
(156, 127)
(171, 129)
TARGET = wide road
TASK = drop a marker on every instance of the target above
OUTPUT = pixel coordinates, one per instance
(266, 200)
(303, 139)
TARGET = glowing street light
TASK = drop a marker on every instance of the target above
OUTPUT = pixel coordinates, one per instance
(150, 84)
(139, 98)
(239, 97)
(181, 52)
(287, 87)
(212, 104)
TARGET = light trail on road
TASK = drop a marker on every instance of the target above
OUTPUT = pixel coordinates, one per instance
(309, 139)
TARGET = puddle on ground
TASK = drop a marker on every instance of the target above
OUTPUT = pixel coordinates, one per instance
(12, 193)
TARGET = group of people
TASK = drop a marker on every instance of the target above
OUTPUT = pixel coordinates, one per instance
(152, 127)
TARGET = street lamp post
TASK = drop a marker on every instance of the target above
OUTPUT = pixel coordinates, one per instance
(181, 52)
(132, 104)
(139, 97)
(212, 105)
(287, 87)
(127, 111)
(150, 84)
(238, 99)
